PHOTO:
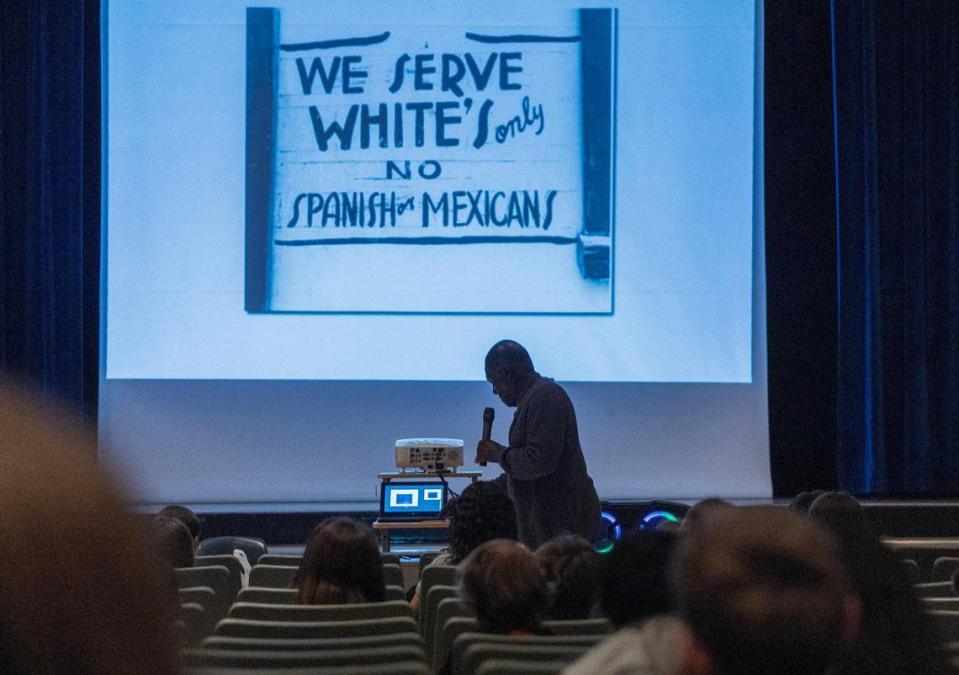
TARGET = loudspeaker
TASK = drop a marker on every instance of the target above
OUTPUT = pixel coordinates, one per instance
(624, 517)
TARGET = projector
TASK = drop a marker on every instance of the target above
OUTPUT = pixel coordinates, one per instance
(429, 454)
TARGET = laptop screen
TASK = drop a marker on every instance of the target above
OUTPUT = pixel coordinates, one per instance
(423, 500)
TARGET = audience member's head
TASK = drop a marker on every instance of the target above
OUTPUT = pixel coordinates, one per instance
(634, 578)
(804, 500)
(763, 591)
(571, 567)
(502, 582)
(341, 565)
(482, 512)
(171, 541)
(78, 592)
(897, 635)
(185, 516)
(701, 509)
(841, 514)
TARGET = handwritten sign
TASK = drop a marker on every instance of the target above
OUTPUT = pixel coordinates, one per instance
(428, 137)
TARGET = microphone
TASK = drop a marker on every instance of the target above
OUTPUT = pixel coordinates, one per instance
(488, 415)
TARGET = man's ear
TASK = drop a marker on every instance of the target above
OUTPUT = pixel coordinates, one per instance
(694, 660)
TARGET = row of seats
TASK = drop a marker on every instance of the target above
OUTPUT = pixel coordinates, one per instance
(208, 590)
(264, 628)
(570, 640)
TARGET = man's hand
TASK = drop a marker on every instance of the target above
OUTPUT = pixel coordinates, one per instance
(489, 451)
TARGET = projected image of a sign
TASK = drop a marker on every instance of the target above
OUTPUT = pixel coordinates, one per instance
(430, 169)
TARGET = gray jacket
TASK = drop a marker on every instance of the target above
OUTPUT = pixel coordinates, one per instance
(548, 481)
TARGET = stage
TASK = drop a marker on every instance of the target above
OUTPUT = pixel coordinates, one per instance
(287, 524)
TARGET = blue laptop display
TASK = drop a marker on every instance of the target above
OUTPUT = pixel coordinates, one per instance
(411, 501)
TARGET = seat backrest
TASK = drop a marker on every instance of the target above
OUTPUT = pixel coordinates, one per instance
(452, 629)
(951, 604)
(368, 610)
(935, 589)
(282, 560)
(912, 570)
(392, 575)
(227, 658)
(251, 546)
(390, 559)
(307, 644)
(216, 577)
(272, 576)
(448, 608)
(269, 596)
(498, 666)
(943, 568)
(946, 624)
(200, 595)
(427, 558)
(228, 561)
(428, 608)
(437, 575)
(193, 618)
(315, 630)
(475, 654)
(601, 627)
(394, 668)
(287, 596)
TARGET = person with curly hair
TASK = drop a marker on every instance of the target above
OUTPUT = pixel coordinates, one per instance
(481, 513)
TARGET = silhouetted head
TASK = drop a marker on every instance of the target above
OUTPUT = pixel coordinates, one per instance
(508, 369)
(341, 565)
(804, 500)
(171, 542)
(502, 582)
(701, 509)
(482, 512)
(185, 516)
(634, 577)
(841, 514)
(571, 567)
(764, 591)
(79, 592)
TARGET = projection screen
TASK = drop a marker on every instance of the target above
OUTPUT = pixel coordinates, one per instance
(319, 216)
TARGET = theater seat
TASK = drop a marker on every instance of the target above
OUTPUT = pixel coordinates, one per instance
(470, 650)
(252, 547)
(225, 658)
(315, 630)
(497, 666)
(396, 668)
(935, 589)
(228, 561)
(272, 576)
(428, 609)
(370, 610)
(216, 577)
(307, 644)
(392, 575)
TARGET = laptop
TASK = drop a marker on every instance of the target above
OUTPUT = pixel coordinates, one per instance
(411, 501)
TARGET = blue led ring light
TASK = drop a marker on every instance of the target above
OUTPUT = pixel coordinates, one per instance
(653, 518)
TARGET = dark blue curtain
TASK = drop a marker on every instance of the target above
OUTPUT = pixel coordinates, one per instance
(896, 72)
(49, 197)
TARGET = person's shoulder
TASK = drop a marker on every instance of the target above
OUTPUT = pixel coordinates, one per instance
(546, 390)
(621, 652)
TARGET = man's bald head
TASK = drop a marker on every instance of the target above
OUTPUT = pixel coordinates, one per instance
(510, 356)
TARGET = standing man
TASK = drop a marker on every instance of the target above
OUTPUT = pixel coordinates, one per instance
(544, 462)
